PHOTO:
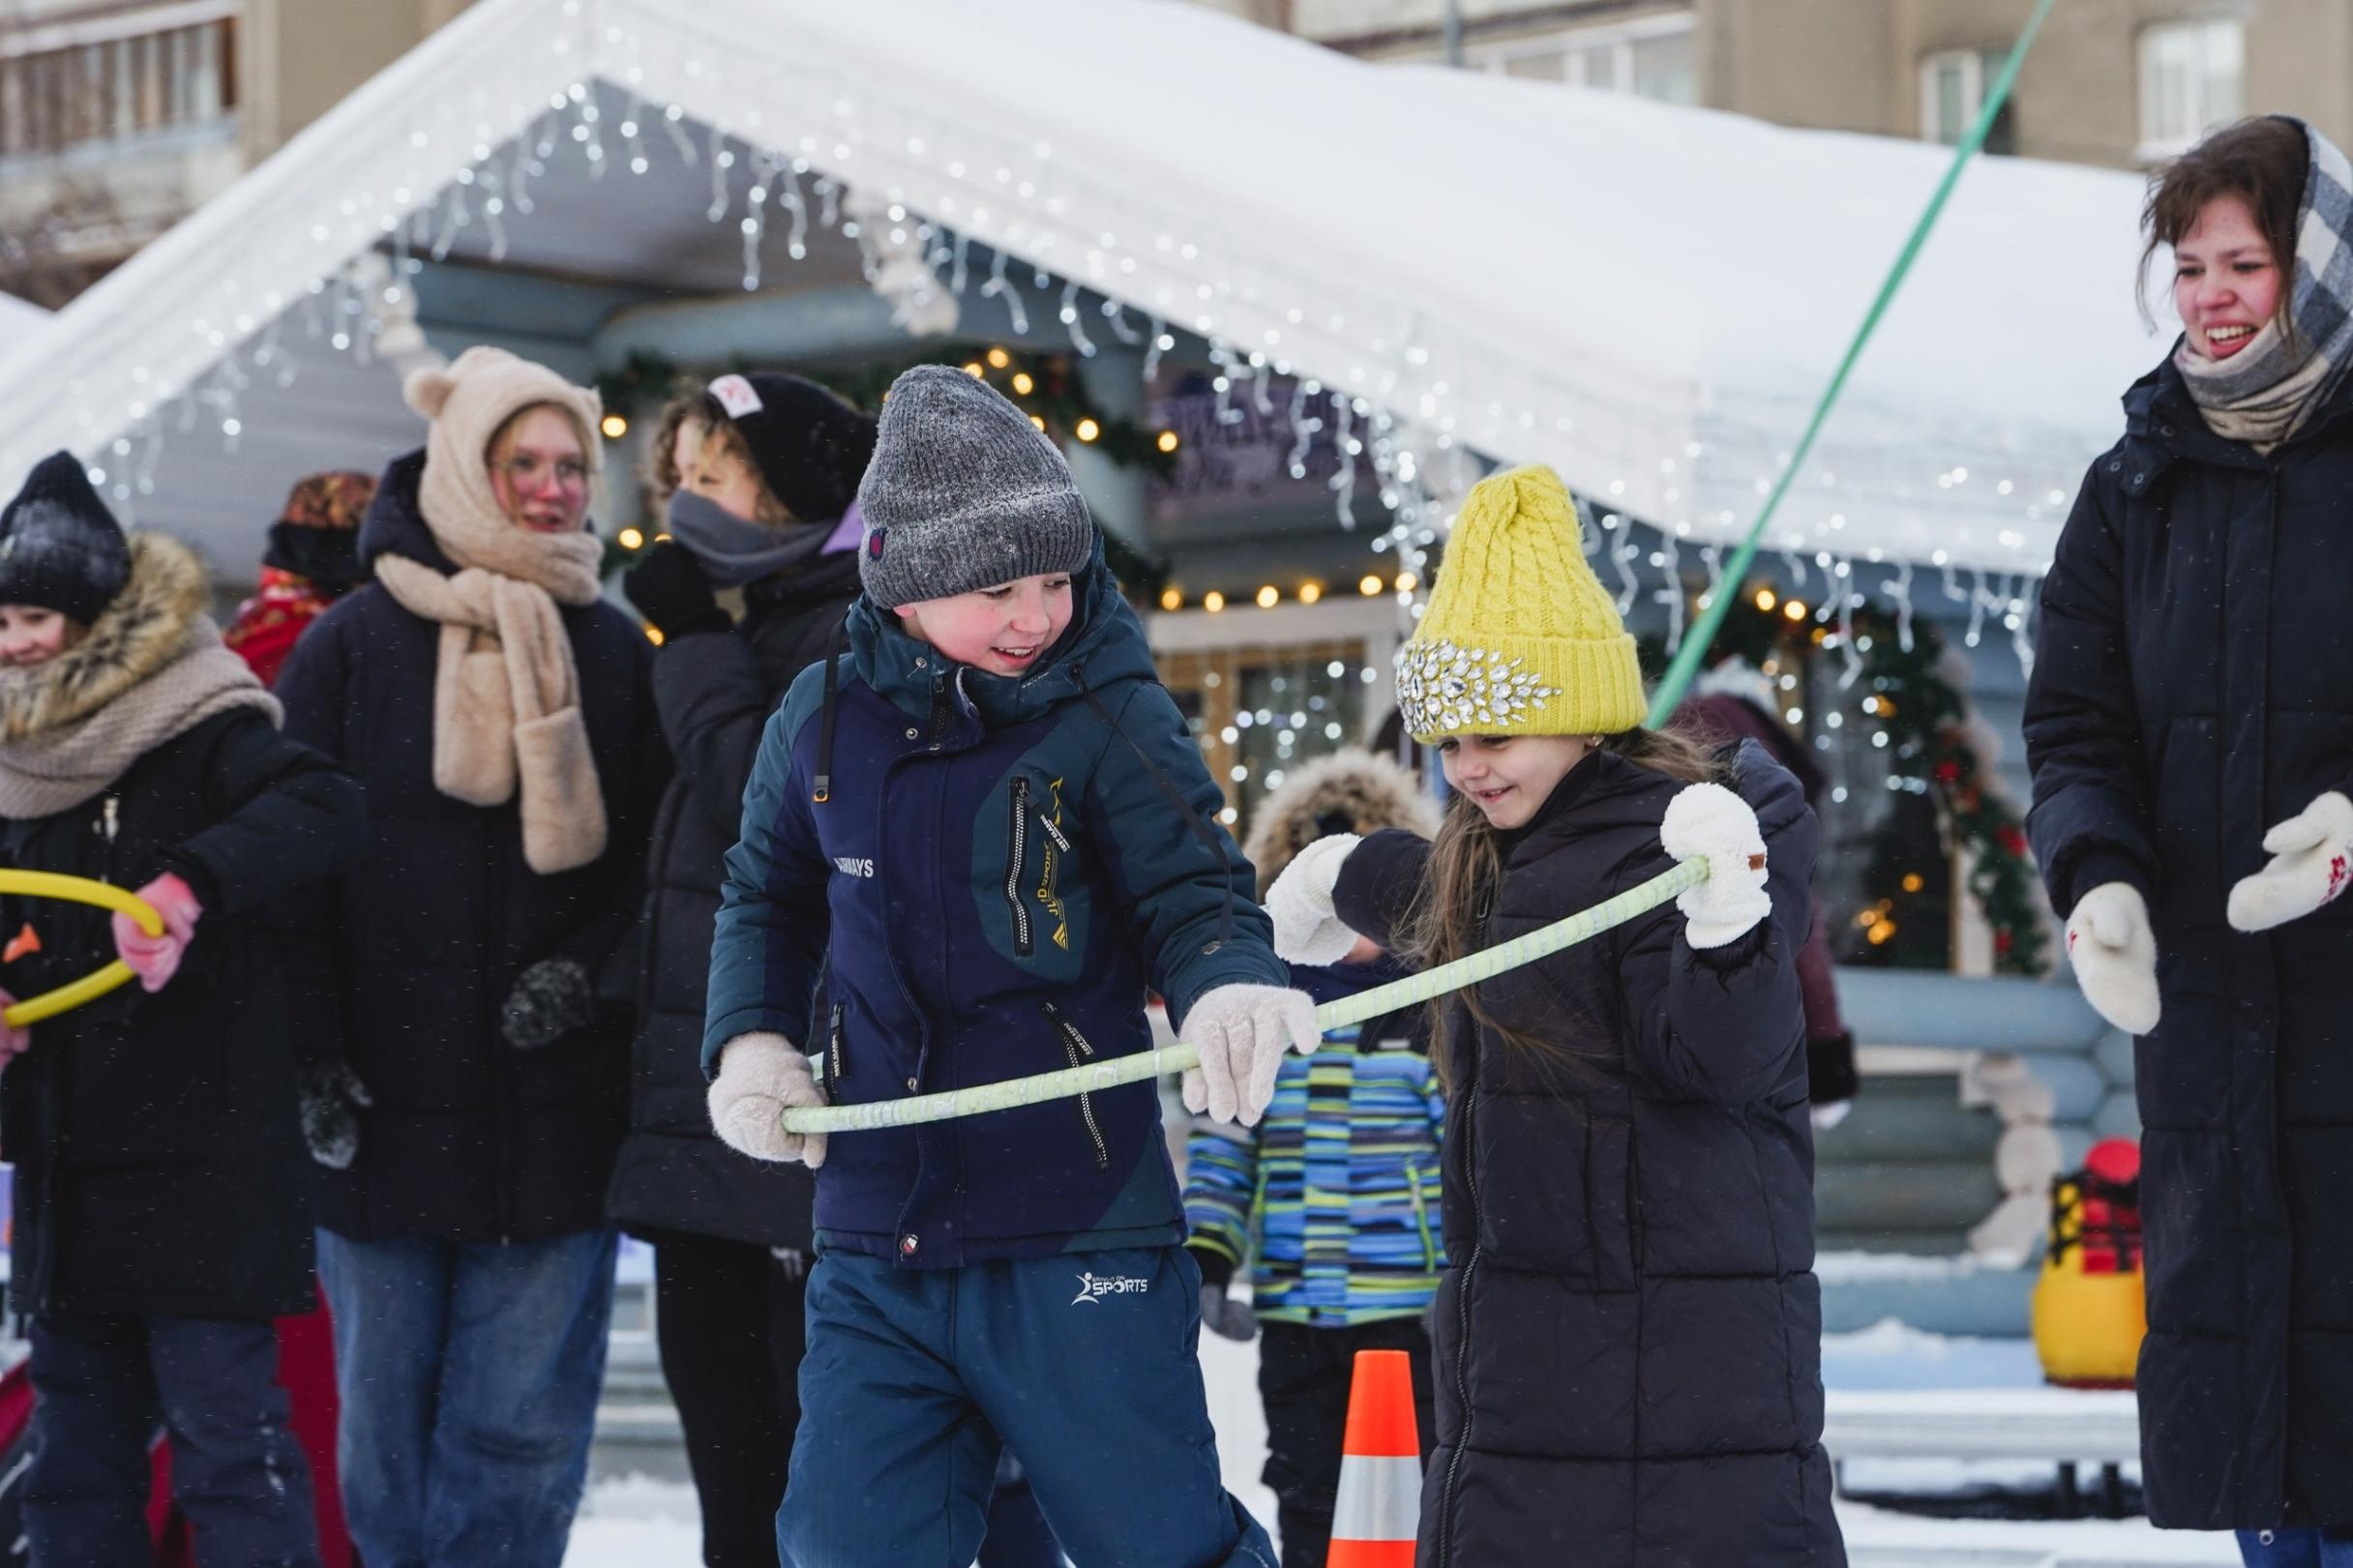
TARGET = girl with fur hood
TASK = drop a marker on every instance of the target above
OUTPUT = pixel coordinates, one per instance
(1629, 1331)
(1331, 1202)
(161, 1209)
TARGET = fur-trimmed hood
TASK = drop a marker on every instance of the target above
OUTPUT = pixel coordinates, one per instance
(146, 628)
(1349, 791)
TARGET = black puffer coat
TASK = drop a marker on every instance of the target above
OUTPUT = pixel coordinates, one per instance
(715, 690)
(159, 1168)
(2192, 686)
(468, 1138)
(1628, 1334)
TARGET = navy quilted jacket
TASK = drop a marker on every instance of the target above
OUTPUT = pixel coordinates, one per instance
(996, 877)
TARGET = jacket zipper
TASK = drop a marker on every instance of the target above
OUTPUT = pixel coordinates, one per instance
(834, 1062)
(1076, 1050)
(1448, 1496)
(1017, 849)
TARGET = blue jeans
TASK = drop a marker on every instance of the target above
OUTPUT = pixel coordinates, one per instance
(236, 1470)
(2330, 1548)
(1086, 1365)
(469, 1376)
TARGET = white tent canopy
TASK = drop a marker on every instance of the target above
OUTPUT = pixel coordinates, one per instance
(1649, 298)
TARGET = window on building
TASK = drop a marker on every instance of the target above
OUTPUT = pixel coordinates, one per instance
(1653, 58)
(1952, 88)
(117, 88)
(2192, 78)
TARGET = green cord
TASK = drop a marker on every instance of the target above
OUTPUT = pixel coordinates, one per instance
(1685, 665)
(1096, 1077)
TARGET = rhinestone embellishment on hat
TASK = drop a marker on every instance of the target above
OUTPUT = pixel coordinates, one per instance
(1444, 687)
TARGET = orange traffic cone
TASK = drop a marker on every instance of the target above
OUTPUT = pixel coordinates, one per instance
(1379, 1510)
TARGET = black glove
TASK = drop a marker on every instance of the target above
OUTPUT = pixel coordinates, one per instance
(1226, 1318)
(668, 588)
(1220, 1313)
(332, 1095)
(1829, 1070)
(549, 1000)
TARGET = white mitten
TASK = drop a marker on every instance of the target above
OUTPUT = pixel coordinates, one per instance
(2312, 857)
(1306, 931)
(761, 1076)
(1705, 821)
(1241, 1031)
(2114, 952)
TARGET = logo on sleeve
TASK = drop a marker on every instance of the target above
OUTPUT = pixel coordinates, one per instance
(853, 866)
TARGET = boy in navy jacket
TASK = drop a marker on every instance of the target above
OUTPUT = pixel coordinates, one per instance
(974, 839)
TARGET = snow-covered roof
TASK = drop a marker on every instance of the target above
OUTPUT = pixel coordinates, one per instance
(1648, 297)
(23, 323)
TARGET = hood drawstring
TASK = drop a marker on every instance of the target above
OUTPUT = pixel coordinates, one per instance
(1176, 798)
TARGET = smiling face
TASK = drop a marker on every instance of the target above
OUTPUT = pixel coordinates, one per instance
(1508, 778)
(2226, 283)
(999, 631)
(31, 634)
(539, 471)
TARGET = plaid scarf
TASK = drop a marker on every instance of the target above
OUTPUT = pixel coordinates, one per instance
(2262, 393)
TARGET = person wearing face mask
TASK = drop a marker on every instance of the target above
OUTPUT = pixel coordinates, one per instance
(1629, 1332)
(162, 1215)
(2191, 739)
(466, 1090)
(974, 836)
(760, 475)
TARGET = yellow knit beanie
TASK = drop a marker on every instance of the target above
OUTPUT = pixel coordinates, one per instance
(1519, 638)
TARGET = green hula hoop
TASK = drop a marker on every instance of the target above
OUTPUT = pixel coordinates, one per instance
(1096, 1077)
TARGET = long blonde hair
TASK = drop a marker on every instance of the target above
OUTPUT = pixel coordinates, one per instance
(1447, 917)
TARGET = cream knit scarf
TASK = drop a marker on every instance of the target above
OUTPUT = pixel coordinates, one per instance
(507, 717)
(152, 666)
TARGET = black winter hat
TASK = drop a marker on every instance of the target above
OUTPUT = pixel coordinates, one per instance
(810, 446)
(59, 546)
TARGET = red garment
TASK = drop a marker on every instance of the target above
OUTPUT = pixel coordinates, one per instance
(267, 624)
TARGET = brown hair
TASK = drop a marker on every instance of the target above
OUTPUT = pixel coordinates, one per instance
(2263, 161)
(1465, 865)
(660, 472)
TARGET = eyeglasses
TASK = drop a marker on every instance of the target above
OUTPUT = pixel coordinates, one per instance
(529, 473)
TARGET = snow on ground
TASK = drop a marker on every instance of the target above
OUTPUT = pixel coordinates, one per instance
(636, 1523)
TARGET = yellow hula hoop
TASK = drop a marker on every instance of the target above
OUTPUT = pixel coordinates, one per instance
(76, 890)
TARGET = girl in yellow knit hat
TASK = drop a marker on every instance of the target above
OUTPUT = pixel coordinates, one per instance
(1629, 1334)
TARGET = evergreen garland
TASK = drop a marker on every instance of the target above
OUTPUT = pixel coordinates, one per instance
(1926, 723)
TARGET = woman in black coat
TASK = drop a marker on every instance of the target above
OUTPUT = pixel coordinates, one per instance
(468, 1091)
(1629, 1333)
(756, 474)
(163, 1212)
(2190, 727)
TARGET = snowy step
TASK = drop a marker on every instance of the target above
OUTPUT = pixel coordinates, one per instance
(1946, 1294)
(2097, 1427)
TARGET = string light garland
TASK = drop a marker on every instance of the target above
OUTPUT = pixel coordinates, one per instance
(796, 136)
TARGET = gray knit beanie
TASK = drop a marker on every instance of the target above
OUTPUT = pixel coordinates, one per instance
(964, 493)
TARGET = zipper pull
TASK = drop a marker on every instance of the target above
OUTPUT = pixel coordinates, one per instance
(109, 820)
